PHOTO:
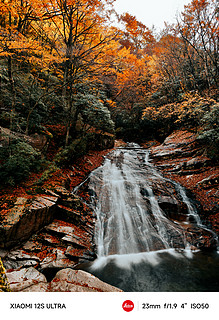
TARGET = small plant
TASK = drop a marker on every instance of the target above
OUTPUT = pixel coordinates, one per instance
(47, 174)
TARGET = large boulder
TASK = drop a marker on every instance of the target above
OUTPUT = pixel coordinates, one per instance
(24, 278)
(78, 280)
(25, 218)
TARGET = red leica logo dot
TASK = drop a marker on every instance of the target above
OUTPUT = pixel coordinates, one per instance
(128, 305)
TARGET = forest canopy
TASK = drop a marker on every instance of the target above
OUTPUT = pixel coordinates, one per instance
(67, 70)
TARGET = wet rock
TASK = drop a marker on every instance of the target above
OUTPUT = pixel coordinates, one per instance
(192, 169)
(177, 145)
(201, 238)
(87, 257)
(165, 154)
(24, 278)
(173, 208)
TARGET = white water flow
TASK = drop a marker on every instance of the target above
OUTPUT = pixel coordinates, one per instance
(192, 211)
(129, 217)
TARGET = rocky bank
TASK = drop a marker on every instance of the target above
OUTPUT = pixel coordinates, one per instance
(182, 158)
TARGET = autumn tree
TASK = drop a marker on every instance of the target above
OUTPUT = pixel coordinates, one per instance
(19, 45)
(136, 36)
(127, 80)
(67, 38)
(79, 42)
(199, 28)
(185, 57)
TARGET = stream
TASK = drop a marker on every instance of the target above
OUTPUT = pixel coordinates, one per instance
(148, 232)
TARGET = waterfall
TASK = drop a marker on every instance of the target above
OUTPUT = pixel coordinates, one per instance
(148, 232)
(129, 217)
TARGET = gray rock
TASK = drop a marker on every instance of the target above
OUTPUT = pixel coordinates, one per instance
(17, 264)
(31, 246)
(60, 261)
(74, 253)
(71, 239)
(20, 280)
(56, 228)
(20, 255)
(40, 287)
(3, 253)
(79, 281)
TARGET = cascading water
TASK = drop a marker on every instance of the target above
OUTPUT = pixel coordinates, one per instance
(192, 212)
(136, 241)
(129, 218)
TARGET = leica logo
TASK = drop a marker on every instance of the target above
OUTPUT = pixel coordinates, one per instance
(128, 305)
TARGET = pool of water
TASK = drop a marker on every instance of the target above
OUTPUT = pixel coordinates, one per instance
(160, 271)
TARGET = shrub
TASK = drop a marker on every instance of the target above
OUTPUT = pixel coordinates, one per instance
(75, 150)
(18, 159)
(94, 112)
(189, 113)
(209, 136)
(46, 175)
